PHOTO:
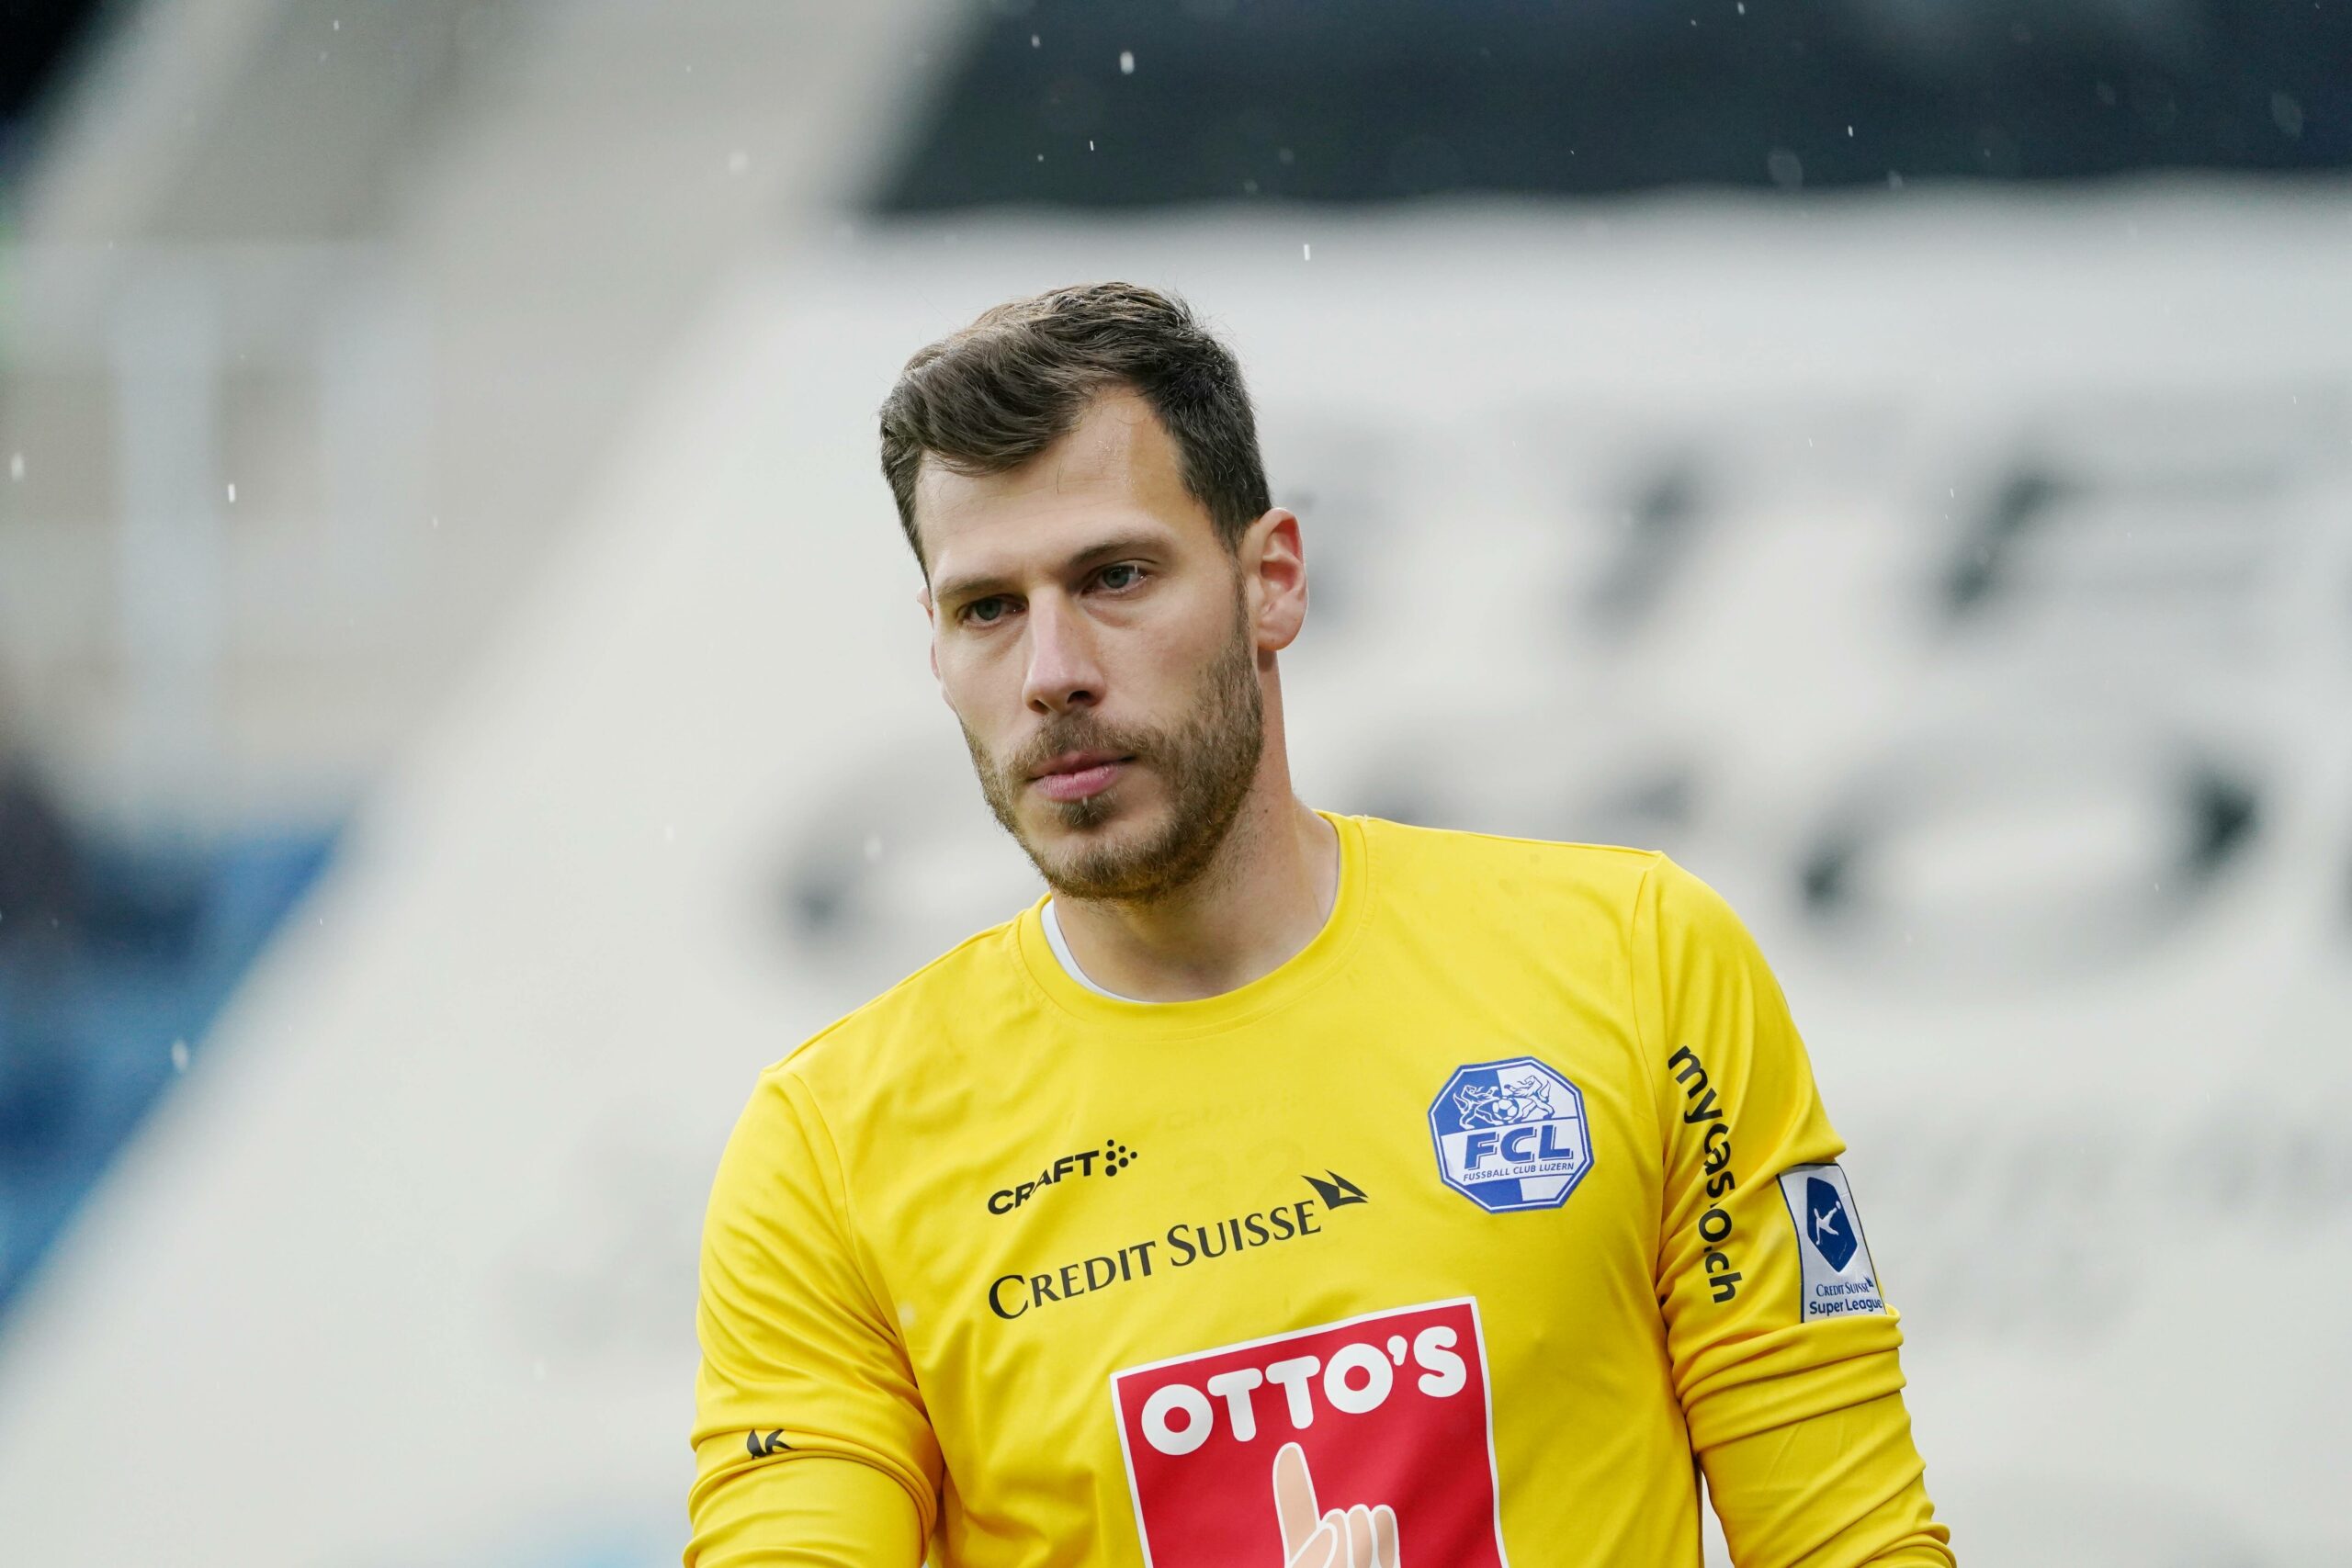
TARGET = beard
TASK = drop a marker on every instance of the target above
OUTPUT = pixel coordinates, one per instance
(1207, 763)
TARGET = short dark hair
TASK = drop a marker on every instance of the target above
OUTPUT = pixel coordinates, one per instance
(991, 397)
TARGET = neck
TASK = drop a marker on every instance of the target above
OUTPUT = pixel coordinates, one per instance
(1262, 899)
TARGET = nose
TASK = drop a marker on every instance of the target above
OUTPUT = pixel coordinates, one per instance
(1063, 671)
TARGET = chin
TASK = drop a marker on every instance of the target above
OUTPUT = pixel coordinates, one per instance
(1097, 820)
(1079, 835)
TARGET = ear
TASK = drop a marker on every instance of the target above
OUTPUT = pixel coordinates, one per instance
(1274, 565)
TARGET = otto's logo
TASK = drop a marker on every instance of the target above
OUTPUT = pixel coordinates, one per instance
(1236, 1455)
(1113, 1157)
(1510, 1134)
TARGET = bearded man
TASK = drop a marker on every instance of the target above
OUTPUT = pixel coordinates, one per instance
(1283, 1188)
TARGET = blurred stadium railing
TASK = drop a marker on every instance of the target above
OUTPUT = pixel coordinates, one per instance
(1955, 568)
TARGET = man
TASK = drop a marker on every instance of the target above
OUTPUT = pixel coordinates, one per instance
(1283, 1188)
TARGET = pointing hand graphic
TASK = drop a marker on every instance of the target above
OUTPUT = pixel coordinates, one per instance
(1353, 1538)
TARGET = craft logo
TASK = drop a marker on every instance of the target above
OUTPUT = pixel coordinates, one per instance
(1234, 1454)
(1510, 1134)
(1113, 1157)
(1839, 1279)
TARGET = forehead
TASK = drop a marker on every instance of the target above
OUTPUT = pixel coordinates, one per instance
(1117, 469)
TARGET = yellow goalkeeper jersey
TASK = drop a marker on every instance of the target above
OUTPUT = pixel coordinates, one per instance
(1466, 1230)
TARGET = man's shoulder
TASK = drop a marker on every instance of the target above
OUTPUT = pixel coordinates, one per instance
(978, 979)
(1414, 858)
(1511, 877)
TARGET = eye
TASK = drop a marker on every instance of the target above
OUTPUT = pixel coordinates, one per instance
(986, 612)
(1120, 575)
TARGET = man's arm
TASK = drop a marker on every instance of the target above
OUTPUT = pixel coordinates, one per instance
(812, 1449)
(1843, 1487)
(1783, 1349)
(816, 1511)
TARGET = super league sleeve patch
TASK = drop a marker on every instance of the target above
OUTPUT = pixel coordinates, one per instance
(1839, 1279)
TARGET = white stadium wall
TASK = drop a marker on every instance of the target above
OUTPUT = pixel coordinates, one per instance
(1963, 584)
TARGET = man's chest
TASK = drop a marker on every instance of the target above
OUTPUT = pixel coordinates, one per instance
(1356, 1235)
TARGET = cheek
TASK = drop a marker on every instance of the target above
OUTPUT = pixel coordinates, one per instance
(980, 686)
(1203, 639)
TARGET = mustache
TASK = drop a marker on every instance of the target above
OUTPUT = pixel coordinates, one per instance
(1068, 734)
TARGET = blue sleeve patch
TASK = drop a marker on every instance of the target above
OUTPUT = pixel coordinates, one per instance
(1839, 1279)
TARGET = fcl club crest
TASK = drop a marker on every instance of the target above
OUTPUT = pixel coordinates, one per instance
(1510, 1134)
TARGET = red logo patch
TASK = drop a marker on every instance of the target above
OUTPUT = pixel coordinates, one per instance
(1367, 1441)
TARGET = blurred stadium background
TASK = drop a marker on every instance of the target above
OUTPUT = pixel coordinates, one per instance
(462, 712)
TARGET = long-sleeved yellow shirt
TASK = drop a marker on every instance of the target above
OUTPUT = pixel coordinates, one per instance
(1464, 1230)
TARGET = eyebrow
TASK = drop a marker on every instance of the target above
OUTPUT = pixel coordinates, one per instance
(958, 590)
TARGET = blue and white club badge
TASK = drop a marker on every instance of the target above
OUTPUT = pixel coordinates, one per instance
(1510, 1134)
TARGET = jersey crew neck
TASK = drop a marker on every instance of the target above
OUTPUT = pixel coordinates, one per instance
(1066, 959)
(1287, 981)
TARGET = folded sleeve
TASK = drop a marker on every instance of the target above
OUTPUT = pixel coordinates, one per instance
(812, 1447)
(1835, 1489)
(1785, 1351)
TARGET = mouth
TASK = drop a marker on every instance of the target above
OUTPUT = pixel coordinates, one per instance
(1074, 775)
